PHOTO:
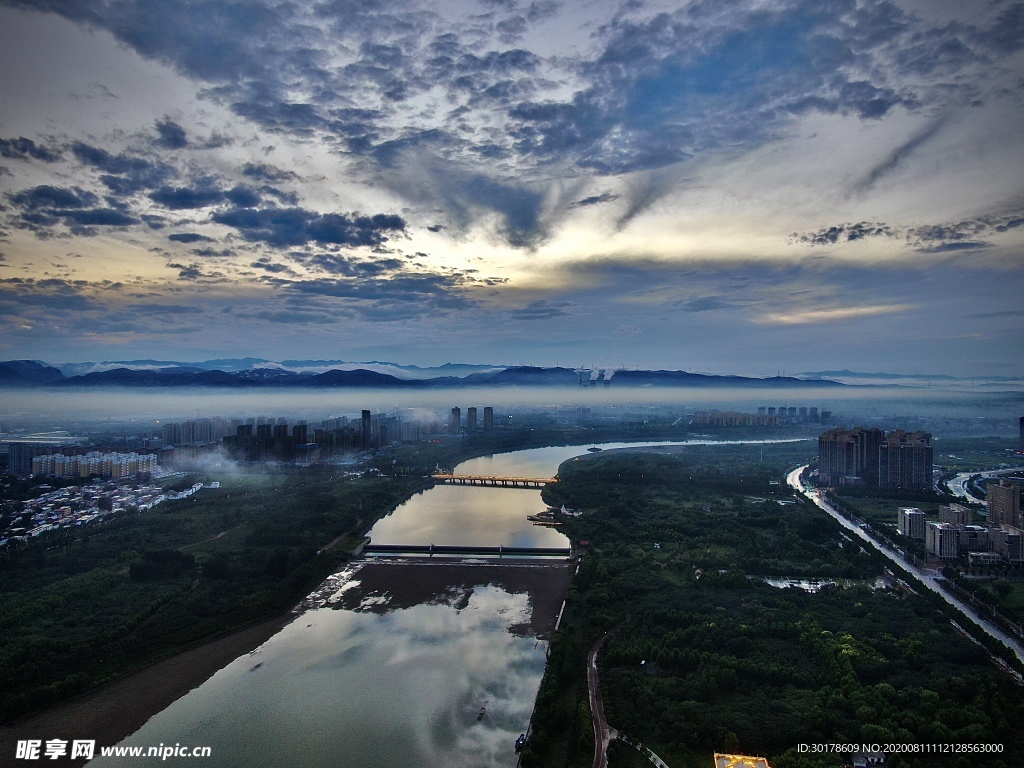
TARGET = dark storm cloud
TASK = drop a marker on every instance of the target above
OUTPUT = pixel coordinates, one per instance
(51, 295)
(190, 237)
(604, 197)
(266, 172)
(184, 198)
(842, 233)
(243, 196)
(273, 267)
(661, 89)
(212, 253)
(170, 135)
(45, 206)
(194, 272)
(927, 238)
(285, 227)
(382, 299)
(46, 196)
(22, 148)
(337, 264)
(123, 174)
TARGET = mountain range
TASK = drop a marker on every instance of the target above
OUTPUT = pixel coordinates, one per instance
(255, 372)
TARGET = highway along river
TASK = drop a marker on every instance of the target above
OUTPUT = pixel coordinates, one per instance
(426, 666)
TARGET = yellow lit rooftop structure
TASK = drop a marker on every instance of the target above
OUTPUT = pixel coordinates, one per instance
(739, 761)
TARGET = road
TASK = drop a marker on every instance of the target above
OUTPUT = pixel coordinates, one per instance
(928, 578)
(958, 485)
(603, 734)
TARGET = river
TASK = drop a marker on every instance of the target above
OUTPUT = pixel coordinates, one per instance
(397, 687)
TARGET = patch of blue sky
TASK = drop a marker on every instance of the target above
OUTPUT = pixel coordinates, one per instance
(744, 67)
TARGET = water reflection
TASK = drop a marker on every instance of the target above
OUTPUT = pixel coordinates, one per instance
(467, 516)
(404, 688)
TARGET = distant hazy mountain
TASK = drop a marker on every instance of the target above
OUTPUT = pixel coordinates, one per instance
(847, 374)
(28, 372)
(256, 372)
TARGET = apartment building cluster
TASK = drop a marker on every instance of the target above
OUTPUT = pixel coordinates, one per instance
(898, 460)
(95, 464)
(472, 424)
(953, 536)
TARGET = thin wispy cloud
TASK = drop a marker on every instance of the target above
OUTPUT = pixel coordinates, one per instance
(808, 316)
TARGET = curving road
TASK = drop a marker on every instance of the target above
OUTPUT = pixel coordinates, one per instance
(603, 734)
(928, 578)
(958, 485)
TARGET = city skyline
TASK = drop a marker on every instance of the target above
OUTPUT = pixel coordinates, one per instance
(736, 188)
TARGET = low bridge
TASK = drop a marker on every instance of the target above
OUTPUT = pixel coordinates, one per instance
(449, 550)
(492, 481)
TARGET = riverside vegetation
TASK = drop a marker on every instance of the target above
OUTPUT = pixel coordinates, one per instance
(80, 607)
(83, 606)
(705, 656)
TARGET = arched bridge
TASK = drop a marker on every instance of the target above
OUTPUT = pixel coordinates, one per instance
(492, 481)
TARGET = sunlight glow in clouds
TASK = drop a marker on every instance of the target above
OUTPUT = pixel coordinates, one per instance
(839, 313)
(494, 180)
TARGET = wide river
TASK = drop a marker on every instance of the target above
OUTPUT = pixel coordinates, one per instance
(399, 688)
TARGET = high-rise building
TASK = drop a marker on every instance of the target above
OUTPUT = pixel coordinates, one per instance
(849, 456)
(911, 523)
(942, 540)
(905, 461)
(471, 420)
(955, 514)
(365, 432)
(1008, 541)
(1004, 504)
(488, 418)
(455, 421)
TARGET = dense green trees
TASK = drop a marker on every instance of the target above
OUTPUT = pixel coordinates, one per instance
(81, 607)
(676, 562)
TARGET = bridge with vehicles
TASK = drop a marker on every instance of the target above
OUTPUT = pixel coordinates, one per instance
(492, 481)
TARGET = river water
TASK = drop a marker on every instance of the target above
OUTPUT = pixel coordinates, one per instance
(401, 687)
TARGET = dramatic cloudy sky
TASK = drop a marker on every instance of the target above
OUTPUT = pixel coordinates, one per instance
(717, 185)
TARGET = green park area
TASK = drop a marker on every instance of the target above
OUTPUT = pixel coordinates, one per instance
(702, 655)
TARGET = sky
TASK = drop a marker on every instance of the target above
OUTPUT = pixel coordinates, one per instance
(719, 186)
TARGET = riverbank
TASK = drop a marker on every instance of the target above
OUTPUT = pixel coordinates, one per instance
(111, 712)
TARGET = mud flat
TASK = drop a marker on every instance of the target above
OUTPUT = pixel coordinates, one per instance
(380, 585)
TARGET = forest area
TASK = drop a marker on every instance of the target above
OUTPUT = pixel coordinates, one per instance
(82, 606)
(703, 655)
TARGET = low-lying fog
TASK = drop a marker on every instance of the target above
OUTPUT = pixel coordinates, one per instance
(38, 408)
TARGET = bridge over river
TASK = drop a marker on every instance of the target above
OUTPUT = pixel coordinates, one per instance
(493, 481)
(449, 550)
